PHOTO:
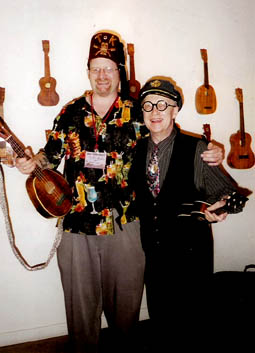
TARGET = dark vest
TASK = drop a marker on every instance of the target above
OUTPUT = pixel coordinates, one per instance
(160, 225)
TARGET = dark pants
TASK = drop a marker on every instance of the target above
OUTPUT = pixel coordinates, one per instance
(177, 279)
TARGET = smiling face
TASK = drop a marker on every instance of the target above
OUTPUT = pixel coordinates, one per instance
(160, 123)
(106, 79)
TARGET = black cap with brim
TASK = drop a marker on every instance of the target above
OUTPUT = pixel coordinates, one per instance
(163, 88)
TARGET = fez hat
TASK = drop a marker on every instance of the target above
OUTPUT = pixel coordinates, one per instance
(108, 45)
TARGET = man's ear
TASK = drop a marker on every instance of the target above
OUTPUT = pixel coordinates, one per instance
(175, 112)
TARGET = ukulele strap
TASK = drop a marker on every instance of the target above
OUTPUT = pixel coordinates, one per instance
(11, 236)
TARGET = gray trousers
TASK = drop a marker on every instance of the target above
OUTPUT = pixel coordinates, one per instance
(101, 274)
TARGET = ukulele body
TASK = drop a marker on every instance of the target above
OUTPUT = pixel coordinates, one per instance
(240, 155)
(48, 95)
(50, 193)
(206, 102)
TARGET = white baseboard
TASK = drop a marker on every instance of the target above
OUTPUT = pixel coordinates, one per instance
(40, 333)
(32, 334)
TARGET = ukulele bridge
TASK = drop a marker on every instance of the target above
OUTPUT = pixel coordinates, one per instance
(61, 200)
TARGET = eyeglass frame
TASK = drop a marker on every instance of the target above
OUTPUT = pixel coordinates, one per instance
(156, 105)
(97, 70)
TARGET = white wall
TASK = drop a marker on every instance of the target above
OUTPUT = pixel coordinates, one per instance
(168, 36)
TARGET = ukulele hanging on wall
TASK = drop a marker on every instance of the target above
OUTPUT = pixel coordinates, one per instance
(2, 97)
(240, 155)
(134, 85)
(6, 152)
(206, 101)
(48, 95)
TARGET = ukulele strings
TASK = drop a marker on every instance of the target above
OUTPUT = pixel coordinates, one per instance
(38, 172)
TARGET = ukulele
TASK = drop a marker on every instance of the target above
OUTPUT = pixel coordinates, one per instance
(240, 155)
(206, 102)
(48, 95)
(6, 152)
(207, 132)
(2, 96)
(134, 85)
(196, 209)
(48, 190)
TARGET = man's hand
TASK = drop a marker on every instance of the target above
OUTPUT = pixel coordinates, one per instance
(24, 165)
(213, 217)
(213, 155)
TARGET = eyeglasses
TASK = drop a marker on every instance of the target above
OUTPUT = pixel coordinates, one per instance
(160, 105)
(106, 70)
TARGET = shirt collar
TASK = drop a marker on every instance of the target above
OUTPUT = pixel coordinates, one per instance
(162, 145)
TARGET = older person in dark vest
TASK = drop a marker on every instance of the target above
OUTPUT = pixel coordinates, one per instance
(167, 172)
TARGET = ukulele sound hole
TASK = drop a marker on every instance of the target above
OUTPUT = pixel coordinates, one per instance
(49, 187)
(47, 85)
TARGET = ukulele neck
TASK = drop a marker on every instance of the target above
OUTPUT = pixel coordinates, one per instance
(46, 65)
(2, 96)
(206, 75)
(242, 130)
(20, 151)
(132, 67)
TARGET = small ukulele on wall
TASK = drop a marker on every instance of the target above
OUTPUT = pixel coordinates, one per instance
(206, 102)
(207, 132)
(134, 85)
(240, 155)
(2, 97)
(6, 152)
(48, 95)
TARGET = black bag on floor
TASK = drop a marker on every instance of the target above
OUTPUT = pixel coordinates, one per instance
(233, 294)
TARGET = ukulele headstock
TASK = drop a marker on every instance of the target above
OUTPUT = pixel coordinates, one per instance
(46, 46)
(5, 133)
(234, 202)
(2, 95)
(239, 95)
(131, 49)
(207, 131)
(204, 55)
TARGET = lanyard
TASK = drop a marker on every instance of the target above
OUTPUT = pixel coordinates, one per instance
(97, 133)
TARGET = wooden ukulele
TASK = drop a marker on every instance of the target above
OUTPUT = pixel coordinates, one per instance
(2, 97)
(134, 85)
(207, 132)
(48, 190)
(206, 102)
(196, 209)
(6, 152)
(48, 95)
(240, 155)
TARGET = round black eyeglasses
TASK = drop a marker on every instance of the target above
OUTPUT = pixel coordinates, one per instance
(161, 105)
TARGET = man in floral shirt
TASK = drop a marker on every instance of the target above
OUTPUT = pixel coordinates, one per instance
(100, 259)
(101, 262)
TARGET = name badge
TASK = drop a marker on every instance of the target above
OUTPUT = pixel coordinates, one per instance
(95, 160)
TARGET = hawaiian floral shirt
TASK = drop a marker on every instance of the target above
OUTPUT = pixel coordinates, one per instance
(75, 132)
